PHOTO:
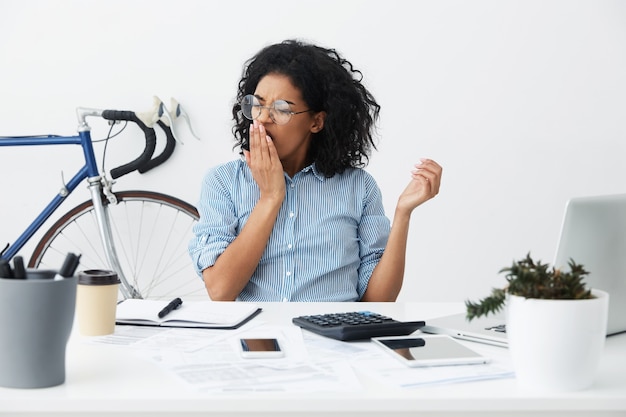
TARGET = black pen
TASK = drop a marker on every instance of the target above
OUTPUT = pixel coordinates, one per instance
(173, 305)
(19, 272)
(5, 269)
(69, 265)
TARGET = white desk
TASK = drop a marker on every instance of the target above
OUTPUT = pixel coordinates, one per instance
(104, 380)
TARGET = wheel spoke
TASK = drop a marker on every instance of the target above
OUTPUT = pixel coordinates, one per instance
(150, 233)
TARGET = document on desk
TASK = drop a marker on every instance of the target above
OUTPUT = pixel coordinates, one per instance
(200, 314)
(386, 369)
(148, 338)
(208, 360)
(219, 367)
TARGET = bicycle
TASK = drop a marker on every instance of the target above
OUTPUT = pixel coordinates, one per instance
(143, 235)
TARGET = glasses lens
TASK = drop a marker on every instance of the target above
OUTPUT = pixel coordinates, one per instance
(250, 107)
(281, 112)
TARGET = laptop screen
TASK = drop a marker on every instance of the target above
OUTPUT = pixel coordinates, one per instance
(593, 234)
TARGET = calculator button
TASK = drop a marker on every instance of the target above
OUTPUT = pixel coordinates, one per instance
(355, 325)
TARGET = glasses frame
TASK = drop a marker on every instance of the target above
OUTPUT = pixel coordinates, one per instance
(271, 109)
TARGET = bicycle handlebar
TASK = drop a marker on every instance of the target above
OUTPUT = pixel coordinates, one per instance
(163, 156)
(160, 115)
(145, 158)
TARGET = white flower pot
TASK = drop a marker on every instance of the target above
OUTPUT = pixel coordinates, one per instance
(556, 345)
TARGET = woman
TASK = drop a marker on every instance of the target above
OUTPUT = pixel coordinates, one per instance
(298, 219)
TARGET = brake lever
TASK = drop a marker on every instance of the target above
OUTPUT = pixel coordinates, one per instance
(160, 112)
(178, 111)
(150, 117)
(165, 117)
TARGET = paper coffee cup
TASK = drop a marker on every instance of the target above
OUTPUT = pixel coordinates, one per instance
(96, 301)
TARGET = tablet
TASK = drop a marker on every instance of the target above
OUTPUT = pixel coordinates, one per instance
(429, 350)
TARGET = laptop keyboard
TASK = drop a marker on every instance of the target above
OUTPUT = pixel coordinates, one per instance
(501, 328)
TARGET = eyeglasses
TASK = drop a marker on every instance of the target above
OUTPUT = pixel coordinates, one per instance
(280, 112)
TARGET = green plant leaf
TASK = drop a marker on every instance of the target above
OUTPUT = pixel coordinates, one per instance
(533, 279)
(487, 305)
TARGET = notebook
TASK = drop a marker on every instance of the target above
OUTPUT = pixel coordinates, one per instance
(191, 314)
(593, 233)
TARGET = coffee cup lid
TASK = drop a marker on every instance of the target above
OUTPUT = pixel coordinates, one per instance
(97, 277)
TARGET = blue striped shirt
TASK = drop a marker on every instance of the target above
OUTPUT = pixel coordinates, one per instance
(329, 234)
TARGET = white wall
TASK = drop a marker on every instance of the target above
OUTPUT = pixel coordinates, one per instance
(522, 102)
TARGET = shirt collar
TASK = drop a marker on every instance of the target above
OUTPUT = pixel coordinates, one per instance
(313, 168)
(309, 169)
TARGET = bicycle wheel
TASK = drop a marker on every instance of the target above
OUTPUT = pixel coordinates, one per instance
(150, 233)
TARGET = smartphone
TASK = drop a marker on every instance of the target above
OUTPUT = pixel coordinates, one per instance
(260, 348)
(429, 350)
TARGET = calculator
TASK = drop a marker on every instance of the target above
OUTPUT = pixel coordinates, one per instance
(356, 325)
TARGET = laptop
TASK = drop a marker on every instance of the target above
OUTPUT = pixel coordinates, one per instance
(593, 233)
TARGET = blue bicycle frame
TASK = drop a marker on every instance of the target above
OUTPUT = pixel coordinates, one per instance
(99, 185)
(89, 170)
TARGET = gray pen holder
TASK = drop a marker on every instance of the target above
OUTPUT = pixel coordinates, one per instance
(36, 317)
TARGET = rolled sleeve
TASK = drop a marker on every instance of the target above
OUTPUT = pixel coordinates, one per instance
(373, 233)
(218, 224)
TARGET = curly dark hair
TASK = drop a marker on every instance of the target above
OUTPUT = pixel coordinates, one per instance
(329, 83)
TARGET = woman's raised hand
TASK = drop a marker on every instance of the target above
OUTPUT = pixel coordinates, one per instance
(264, 163)
(424, 184)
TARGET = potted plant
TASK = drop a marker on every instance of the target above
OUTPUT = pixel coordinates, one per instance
(556, 327)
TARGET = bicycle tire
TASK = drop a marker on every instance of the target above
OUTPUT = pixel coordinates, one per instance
(150, 231)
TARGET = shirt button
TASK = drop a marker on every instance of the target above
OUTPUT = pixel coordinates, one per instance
(285, 300)
(289, 246)
(292, 185)
(291, 214)
(288, 273)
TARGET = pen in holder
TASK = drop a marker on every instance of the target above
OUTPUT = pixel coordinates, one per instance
(36, 317)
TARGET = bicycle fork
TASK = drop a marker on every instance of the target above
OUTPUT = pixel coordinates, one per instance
(104, 224)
